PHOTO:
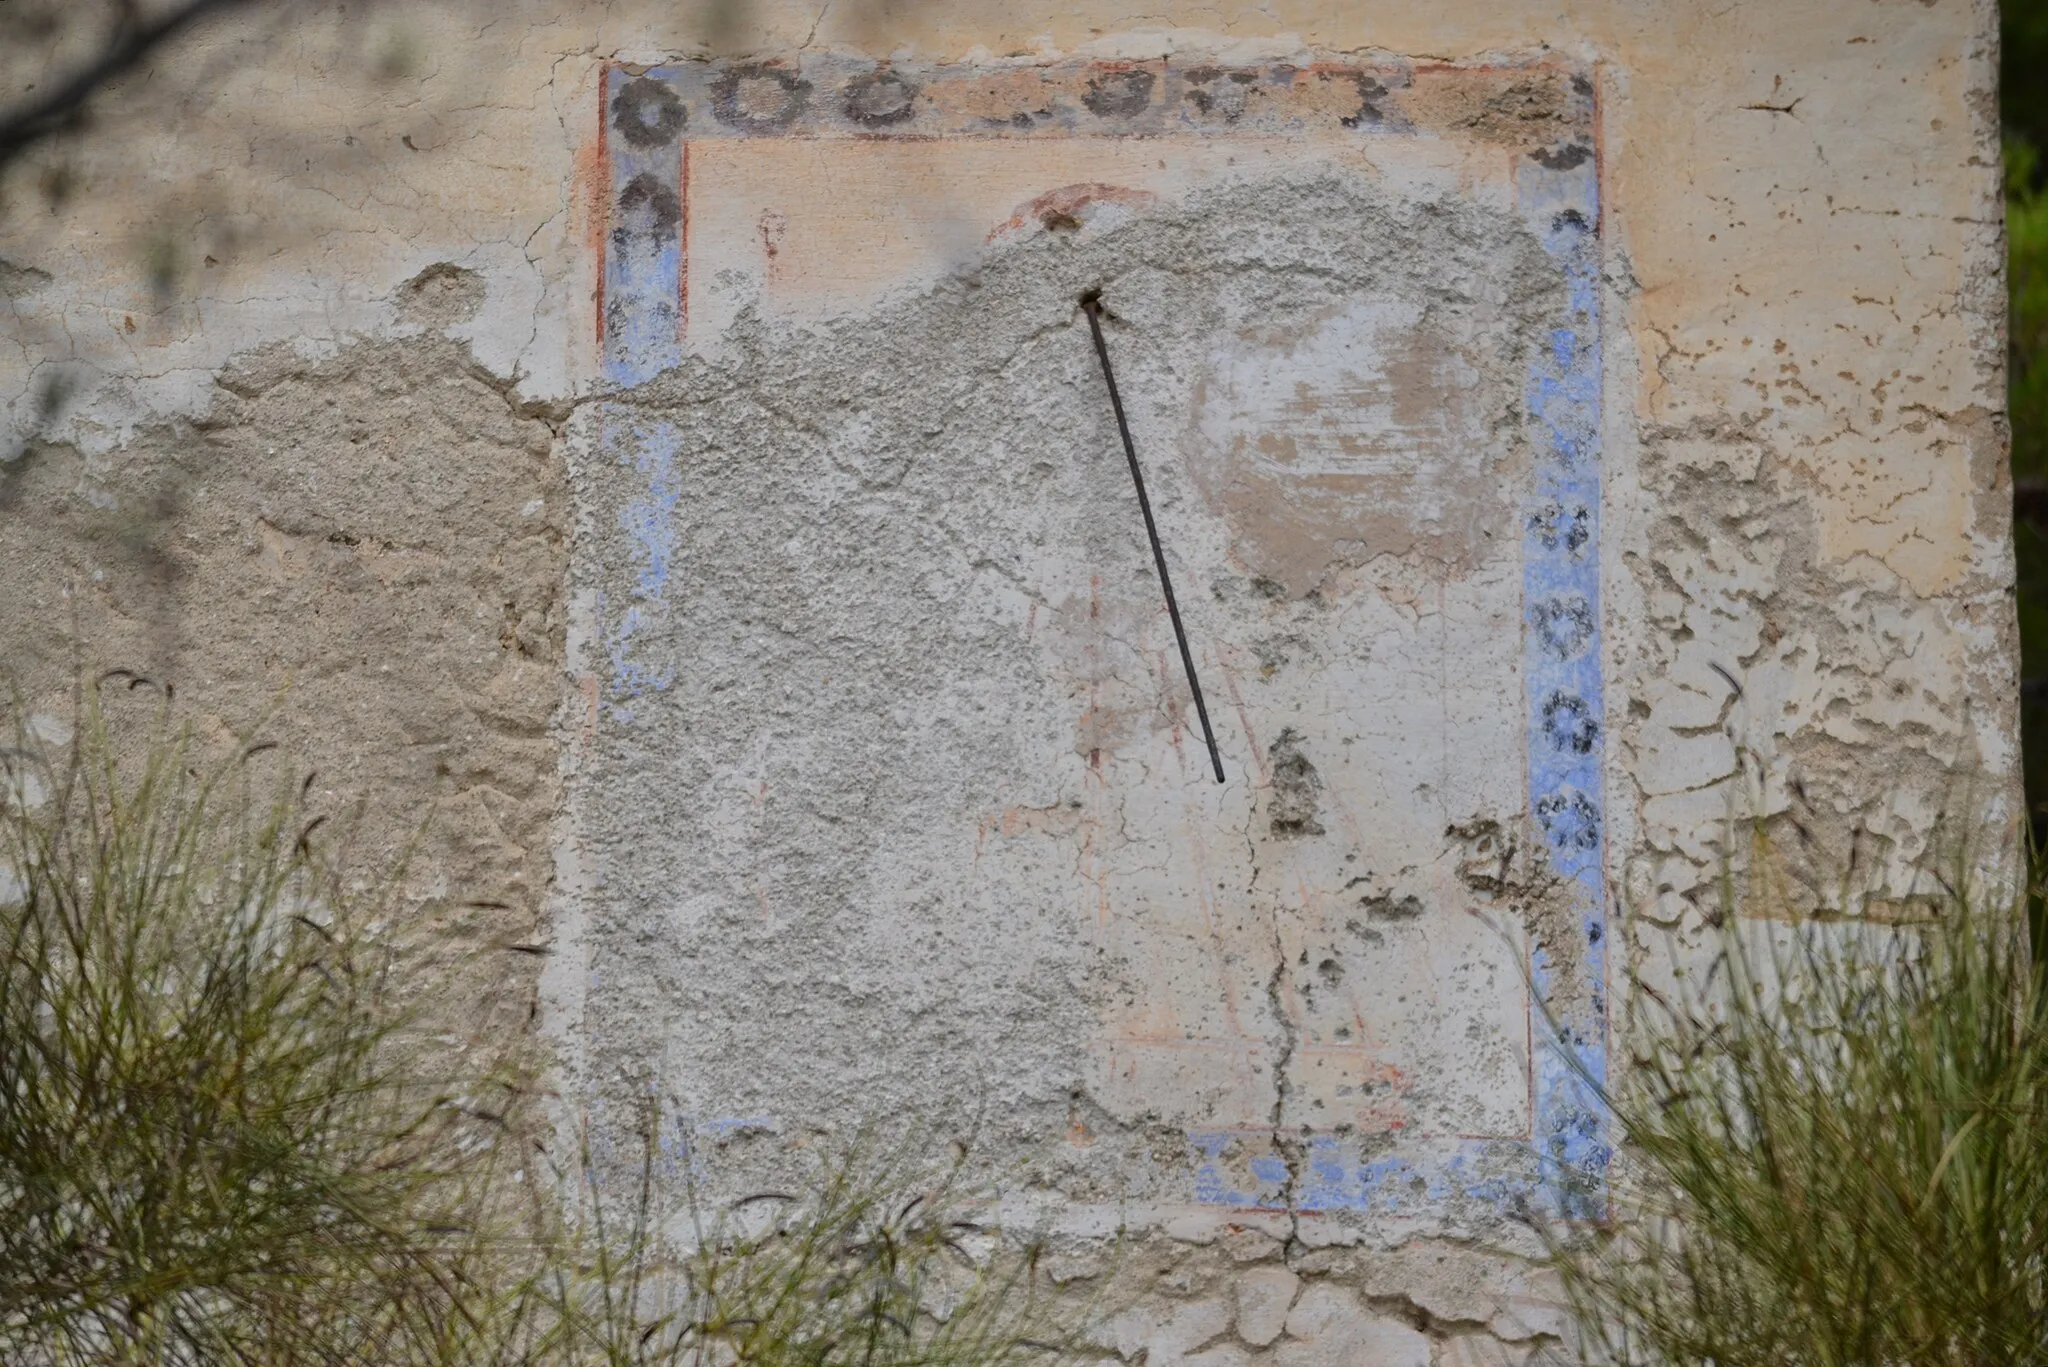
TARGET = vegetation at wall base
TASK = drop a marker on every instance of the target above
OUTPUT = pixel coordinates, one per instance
(870, 1264)
(222, 1143)
(1835, 1144)
(209, 1138)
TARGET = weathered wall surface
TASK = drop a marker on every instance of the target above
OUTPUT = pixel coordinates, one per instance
(1567, 428)
(361, 556)
(887, 716)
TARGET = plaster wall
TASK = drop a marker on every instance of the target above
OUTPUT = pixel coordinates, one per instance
(787, 654)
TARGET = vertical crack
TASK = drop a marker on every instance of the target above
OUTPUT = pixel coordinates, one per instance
(1290, 1150)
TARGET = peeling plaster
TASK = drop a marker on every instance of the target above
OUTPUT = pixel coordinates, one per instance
(1792, 601)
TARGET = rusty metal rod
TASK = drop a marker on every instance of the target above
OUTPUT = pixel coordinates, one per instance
(1091, 304)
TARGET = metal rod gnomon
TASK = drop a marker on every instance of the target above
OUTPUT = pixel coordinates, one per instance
(1091, 304)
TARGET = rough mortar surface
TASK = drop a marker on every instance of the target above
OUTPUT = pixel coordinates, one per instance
(361, 559)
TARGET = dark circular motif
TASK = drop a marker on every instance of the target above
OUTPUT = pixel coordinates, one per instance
(1570, 723)
(1370, 92)
(1120, 94)
(759, 98)
(1568, 529)
(1564, 626)
(880, 98)
(1216, 93)
(1569, 820)
(647, 113)
(648, 210)
(1564, 158)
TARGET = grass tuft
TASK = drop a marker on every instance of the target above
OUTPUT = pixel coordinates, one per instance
(1835, 1142)
(213, 1147)
(870, 1264)
(223, 1142)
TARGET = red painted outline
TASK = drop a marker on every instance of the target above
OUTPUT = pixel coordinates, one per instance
(682, 244)
(604, 227)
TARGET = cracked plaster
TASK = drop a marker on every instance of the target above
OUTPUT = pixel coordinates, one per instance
(1805, 557)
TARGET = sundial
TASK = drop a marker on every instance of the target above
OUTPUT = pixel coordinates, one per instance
(894, 796)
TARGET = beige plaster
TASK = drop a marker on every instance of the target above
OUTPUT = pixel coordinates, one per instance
(1807, 551)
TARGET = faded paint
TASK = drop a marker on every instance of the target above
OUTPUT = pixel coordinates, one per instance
(1562, 662)
(1280, 971)
(1361, 434)
(879, 787)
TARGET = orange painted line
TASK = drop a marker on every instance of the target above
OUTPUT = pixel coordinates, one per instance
(604, 177)
(682, 242)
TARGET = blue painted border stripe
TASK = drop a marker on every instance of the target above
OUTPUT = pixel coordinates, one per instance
(643, 283)
(643, 262)
(1562, 654)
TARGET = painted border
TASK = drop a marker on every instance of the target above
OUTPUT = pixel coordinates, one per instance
(648, 119)
(1562, 658)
